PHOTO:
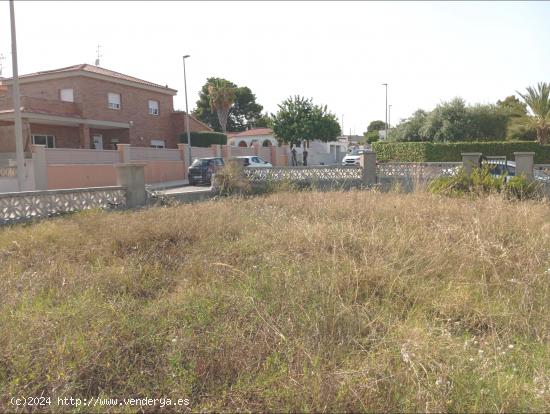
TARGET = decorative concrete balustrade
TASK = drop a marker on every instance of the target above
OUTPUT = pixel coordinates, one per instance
(20, 206)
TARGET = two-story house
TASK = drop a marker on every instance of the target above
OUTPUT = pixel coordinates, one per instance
(85, 106)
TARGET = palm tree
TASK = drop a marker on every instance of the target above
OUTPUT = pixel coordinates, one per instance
(222, 97)
(538, 101)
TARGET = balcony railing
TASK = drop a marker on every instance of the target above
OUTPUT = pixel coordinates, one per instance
(43, 106)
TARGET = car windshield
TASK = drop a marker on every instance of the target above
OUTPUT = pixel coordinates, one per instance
(199, 163)
(356, 151)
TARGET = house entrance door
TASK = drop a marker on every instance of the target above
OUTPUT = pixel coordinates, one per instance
(98, 141)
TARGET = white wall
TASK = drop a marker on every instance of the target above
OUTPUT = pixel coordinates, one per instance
(234, 141)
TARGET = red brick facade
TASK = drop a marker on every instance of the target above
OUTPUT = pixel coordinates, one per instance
(74, 124)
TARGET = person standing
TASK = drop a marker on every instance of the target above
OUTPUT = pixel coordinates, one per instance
(304, 156)
(294, 160)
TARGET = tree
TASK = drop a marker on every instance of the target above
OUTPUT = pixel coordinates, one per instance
(371, 136)
(298, 119)
(409, 129)
(376, 126)
(222, 97)
(513, 107)
(242, 115)
(538, 101)
(263, 121)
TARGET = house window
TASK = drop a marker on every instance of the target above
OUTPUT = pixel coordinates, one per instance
(158, 143)
(153, 107)
(47, 140)
(113, 100)
(66, 95)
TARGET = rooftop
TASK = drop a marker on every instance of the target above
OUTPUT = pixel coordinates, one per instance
(254, 132)
(85, 67)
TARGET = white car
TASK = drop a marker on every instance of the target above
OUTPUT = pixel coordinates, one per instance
(254, 161)
(352, 157)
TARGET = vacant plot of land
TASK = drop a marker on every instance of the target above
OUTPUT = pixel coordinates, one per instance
(297, 301)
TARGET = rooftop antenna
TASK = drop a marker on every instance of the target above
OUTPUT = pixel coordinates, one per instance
(2, 57)
(99, 55)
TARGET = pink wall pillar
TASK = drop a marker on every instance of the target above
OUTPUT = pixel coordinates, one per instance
(226, 152)
(274, 158)
(256, 147)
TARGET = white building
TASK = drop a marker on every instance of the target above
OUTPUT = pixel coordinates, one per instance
(264, 136)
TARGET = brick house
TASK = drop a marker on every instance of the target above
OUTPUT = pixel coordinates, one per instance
(85, 106)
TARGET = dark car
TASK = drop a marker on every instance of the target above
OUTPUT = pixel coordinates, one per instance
(201, 170)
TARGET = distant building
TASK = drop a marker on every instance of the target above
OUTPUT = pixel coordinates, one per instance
(264, 136)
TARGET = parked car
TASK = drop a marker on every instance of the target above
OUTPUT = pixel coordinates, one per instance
(253, 161)
(201, 170)
(352, 157)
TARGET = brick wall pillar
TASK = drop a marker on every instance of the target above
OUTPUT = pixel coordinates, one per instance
(84, 134)
(226, 152)
(124, 153)
(470, 160)
(40, 166)
(256, 147)
(274, 158)
(524, 164)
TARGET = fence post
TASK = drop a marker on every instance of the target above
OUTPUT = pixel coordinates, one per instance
(368, 164)
(524, 164)
(124, 153)
(470, 160)
(273, 154)
(40, 167)
(226, 152)
(132, 176)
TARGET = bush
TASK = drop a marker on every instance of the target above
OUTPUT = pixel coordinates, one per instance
(438, 152)
(231, 180)
(481, 182)
(204, 138)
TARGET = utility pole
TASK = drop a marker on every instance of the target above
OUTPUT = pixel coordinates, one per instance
(187, 113)
(386, 126)
(17, 105)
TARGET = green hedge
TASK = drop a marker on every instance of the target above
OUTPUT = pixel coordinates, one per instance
(438, 152)
(204, 138)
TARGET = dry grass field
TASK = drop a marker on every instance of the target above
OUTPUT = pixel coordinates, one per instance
(295, 301)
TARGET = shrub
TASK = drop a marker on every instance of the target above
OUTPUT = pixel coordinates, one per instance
(438, 152)
(231, 180)
(204, 138)
(482, 182)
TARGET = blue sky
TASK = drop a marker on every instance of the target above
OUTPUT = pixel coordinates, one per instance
(338, 53)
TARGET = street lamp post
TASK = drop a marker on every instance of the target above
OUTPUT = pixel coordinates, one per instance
(389, 116)
(187, 112)
(386, 126)
(17, 105)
